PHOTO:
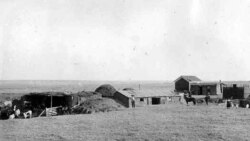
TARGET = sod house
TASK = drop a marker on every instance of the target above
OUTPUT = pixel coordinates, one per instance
(145, 97)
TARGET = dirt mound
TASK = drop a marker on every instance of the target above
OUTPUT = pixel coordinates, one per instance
(106, 90)
(96, 105)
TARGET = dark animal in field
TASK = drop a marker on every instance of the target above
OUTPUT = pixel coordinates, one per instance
(207, 97)
(228, 103)
(189, 99)
(6, 112)
(243, 102)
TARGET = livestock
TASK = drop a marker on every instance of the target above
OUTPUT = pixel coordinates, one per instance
(189, 99)
(27, 114)
(169, 99)
(237, 105)
(12, 116)
(232, 104)
(6, 112)
(17, 113)
(181, 99)
(207, 97)
(229, 103)
(7, 103)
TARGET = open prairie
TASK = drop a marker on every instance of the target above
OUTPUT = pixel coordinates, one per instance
(172, 121)
(11, 89)
(24, 86)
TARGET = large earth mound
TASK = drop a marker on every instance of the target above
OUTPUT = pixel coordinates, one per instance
(106, 90)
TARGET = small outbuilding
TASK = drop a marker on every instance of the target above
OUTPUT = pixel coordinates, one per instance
(51, 99)
(145, 97)
(182, 82)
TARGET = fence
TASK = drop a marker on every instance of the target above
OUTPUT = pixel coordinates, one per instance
(51, 111)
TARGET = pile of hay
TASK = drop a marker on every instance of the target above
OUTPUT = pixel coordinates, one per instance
(87, 94)
(95, 105)
(106, 90)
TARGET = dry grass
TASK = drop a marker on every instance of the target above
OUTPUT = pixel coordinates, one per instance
(172, 121)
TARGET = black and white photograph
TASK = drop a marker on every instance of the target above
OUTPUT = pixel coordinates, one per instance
(124, 70)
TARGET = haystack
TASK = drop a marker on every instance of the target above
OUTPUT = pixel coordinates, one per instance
(96, 105)
(106, 90)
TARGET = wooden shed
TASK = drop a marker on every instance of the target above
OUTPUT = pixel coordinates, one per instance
(205, 87)
(182, 82)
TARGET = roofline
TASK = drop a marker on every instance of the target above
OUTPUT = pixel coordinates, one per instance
(178, 78)
(157, 96)
(54, 94)
(138, 95)
(182, 76)
(206, 82)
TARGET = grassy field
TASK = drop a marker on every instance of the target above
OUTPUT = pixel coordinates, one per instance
(172, 121)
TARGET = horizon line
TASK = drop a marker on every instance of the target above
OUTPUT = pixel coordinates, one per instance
(105, 80)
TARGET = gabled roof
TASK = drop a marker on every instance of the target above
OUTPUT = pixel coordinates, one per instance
(188, 78)
(127, 93)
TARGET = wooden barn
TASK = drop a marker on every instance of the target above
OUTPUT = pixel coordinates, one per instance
(145, 97)
(182, 82)
(205, 87)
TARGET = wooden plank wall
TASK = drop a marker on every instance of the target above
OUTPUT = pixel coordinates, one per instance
(246, 92)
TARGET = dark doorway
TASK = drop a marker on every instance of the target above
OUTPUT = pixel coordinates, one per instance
(156, 101)
(200, 93)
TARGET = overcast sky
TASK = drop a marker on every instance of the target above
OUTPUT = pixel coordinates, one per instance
(124, 39)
